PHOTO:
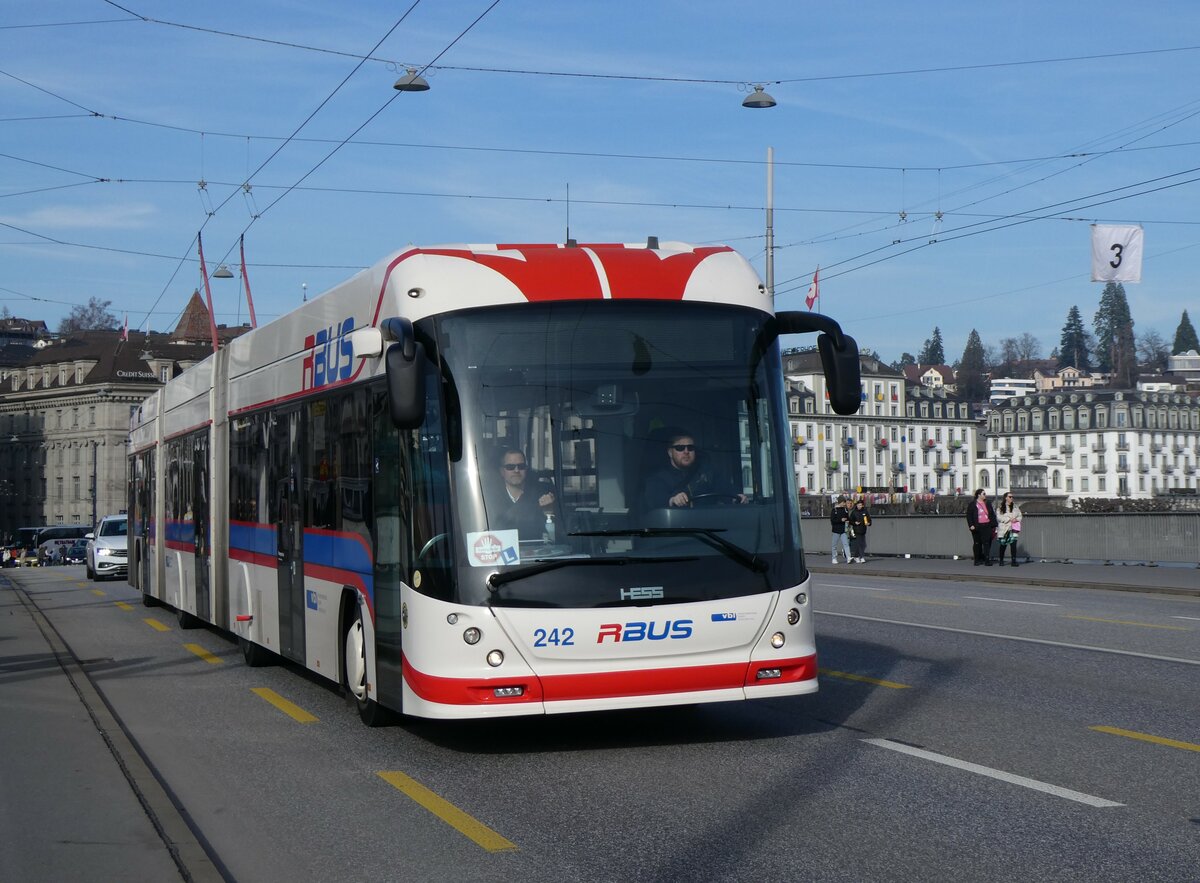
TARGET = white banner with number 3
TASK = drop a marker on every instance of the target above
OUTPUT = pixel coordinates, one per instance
(1116, 253)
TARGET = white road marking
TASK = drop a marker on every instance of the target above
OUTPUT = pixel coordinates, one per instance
(942, 628)
(1011, 601)
(844, 586)
(1193, 618)
(1034, 784)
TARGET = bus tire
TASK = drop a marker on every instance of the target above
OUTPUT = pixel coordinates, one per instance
(354, 656)
(256, 655)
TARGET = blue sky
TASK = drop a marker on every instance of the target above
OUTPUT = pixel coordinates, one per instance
(634, 110)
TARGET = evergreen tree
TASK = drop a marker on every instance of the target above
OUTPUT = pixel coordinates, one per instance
(1115, 347)
(1073, 349)
(933, 353)
(1185, 337)
(972, 382)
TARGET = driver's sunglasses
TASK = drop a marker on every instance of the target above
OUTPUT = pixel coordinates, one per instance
(682, 448)
(513, 467)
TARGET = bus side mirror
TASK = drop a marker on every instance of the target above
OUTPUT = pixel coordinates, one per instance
(839, 356)
(406, 384)
(842, 372)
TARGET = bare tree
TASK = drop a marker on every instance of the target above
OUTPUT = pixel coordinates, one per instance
(1153, 350)
(92, 316)
(1028, 347)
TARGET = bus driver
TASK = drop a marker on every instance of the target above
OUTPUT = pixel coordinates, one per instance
(685, 479)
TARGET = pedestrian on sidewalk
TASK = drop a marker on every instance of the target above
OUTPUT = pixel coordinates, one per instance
(860, 520)
(839, 517)
(981, 521)
(1008, 528)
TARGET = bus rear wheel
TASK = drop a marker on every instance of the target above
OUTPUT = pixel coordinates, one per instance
(354, 654)
(256, 655)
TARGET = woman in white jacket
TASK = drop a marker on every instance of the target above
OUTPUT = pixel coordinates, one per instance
(1008, 527)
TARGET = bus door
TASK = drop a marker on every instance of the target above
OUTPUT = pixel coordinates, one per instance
(203, 525)
(289, 526)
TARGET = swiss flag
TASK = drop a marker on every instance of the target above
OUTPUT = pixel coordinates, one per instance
(814, 290)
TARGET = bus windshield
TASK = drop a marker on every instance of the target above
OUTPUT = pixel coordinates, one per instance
(615, 453)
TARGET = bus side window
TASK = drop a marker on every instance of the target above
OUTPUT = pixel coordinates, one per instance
(434, 544)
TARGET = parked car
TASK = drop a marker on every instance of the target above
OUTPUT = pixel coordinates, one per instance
(107, 548)
(77, 553)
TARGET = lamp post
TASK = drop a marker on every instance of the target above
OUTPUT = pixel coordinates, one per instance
(94, 446)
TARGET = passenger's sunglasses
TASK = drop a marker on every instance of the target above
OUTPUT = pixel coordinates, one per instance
(513, 467)
(682, 448)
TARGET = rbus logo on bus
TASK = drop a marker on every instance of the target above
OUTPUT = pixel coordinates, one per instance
(645, 631)
(330, 357)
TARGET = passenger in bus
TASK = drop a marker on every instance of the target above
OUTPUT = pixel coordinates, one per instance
(686, 478)
(522, 505)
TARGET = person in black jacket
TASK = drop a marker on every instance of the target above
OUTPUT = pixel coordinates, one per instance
(860, 520)
(838, 518)
(521, 506)
(686, 479)
(981, 521)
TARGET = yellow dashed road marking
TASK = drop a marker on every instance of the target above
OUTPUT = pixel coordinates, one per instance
(289, 708)
(465, 824)
(203, 654)
(1146, 737)
(123, 605)
(98, 593)
(866, 680)
(1147, 625)
(156, 625)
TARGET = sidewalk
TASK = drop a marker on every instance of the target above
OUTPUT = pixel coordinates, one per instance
(1118, 577)
(78, 801)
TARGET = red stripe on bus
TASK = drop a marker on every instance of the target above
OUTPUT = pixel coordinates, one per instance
(608, 685)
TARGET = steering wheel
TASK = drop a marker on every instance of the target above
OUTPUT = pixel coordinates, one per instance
(705, 500)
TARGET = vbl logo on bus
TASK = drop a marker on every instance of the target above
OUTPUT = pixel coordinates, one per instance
(330, 356)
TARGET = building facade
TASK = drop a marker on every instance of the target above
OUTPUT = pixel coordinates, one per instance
(1094, 443)
(904, 439)
(64, 421)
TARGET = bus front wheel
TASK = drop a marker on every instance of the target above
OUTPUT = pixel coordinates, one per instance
(355, 655)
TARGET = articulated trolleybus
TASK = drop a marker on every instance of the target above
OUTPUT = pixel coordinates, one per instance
(331, 488)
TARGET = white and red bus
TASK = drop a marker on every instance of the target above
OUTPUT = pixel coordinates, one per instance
(326, 487)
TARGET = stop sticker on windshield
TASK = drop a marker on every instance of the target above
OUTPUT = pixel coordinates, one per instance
(492, 548)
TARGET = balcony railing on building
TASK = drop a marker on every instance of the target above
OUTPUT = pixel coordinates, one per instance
(1035, 451)
(1167, 468)
(1098, 447)
(1156, 448)
(1067, 449)
(1099, 469)
(1178, 449)
(1123, 468)
(1143, 467)
(1122, 446)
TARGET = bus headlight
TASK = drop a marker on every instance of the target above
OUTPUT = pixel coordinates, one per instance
(793, 616)
(472, 635)
(495, 658)
(802, 599)
(777, 640)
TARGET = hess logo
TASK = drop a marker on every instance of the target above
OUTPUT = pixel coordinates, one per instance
(330, 356)
(645, 631)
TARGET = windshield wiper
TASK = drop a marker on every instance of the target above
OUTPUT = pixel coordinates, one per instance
(706, 535)
(496, 580)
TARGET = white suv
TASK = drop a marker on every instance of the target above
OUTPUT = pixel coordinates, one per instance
(107, 548)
